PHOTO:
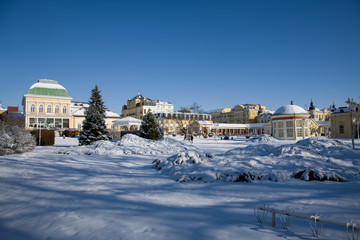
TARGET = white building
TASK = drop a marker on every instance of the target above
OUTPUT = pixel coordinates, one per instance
(290, 122)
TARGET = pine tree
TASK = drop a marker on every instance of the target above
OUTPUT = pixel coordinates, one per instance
(150, 128)
(94, 127)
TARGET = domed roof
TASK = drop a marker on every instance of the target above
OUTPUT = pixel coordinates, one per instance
(48, 88)
(290, 110)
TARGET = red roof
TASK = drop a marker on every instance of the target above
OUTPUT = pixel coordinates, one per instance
(13, 109)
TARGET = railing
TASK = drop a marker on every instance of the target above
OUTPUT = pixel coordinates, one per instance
(315, 222)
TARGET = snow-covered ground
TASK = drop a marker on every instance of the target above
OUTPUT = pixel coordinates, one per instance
(114, 190)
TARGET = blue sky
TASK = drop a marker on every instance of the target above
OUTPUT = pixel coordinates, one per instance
(215, 53)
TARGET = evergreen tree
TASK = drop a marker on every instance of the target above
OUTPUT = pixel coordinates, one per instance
(94, 127)
(150, 128)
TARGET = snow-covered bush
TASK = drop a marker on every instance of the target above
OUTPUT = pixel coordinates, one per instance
(14, 139)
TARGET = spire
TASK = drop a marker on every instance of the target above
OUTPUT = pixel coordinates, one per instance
(312, 107)
(292, 102)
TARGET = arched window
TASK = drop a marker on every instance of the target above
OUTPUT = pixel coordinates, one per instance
(64, 109)
(32, 108)
(41, 108)
(341, 128)
(48, 109)
(56, 109)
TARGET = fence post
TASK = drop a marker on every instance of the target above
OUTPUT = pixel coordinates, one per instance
(273, 219)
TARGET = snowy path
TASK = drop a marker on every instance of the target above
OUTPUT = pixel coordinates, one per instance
(46, 195)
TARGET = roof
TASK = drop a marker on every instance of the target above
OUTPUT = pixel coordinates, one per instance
(238, 125)
(81, 112)
(290, 110)
(127, 121)
(342, 110)
(324, 123)
(204, 122)
(48, 87)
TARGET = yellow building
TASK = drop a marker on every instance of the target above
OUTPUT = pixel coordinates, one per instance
(78, 116)
(245, 113)
(341, 122)
(176, 121)
(138, 106)
(221, 116)
(47, 104)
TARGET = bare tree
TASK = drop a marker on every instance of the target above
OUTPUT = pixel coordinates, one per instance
(196, 108)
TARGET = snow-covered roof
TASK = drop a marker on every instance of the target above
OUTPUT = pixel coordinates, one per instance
(238, 125)
(49, 88)
(127, 121)
(342, 110)
(324, 123)
(290, 110)
(81, 112)
(204, 122)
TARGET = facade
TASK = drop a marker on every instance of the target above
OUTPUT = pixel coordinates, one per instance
(221, 116)
(264, 117)
(138, 106)
(47, 104)
(317, 114)
(173, 122)
(127, 124)
(341, 122)
(78, 116)
(245, 113)
(235, 129)
(290, 122)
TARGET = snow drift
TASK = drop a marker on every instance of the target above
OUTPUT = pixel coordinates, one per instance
(318, 159)
(131, 144)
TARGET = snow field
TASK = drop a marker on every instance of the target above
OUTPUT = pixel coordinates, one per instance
(68, 192)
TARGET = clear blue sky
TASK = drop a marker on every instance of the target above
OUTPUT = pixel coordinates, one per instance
(215, 53)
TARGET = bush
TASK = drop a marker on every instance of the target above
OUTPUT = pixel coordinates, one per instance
(14, 139)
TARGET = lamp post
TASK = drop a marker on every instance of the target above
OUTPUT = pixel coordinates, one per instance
(351, 104)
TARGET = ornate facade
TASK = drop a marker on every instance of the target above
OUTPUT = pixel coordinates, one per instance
(138, 106)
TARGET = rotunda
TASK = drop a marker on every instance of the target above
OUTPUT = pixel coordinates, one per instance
(290, 122)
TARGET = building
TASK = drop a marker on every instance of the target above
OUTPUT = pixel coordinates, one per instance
(264, 117)
(78, 116)
(176, 121)
(317, 114)
(47, 104)
(220, 116)
(243, 113)
(139, 105)
(341, 122)
(290, 122)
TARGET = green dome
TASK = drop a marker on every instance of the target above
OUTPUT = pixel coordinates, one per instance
(48, 87)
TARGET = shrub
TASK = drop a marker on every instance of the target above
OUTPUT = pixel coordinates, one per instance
(14, 139)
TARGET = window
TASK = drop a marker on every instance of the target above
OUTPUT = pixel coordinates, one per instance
(289, 132)
(56, 109)
(48, 109)
(41, 108)
(341, 129)
(65, 123)
(32, 108)
(281, 133)
(289, 123)
(299, 132)
(281, 124)
(64, 109)
(298, 123)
